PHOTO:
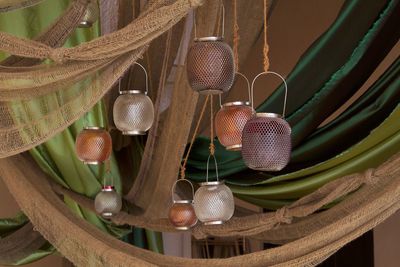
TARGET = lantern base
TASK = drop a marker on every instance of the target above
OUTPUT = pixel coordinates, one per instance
(107, 215)
(234, 147)
(85, 24)
(133, 132)
(210, 92)
(182, 228)
(266, 169)
(213, 222)
(90, 162)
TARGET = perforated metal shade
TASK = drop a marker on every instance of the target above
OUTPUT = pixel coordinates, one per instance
(108, 202)
(93, 145)
(266, 142)
(182, 215)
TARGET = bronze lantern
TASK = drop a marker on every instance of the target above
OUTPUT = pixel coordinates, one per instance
(266, 139)
(182, 214)
(231, 119)
(93, 145)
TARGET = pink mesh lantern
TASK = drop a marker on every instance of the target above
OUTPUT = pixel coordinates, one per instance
(266, 139)
(231, 119)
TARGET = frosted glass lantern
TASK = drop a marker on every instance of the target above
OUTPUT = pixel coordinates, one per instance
(182, 214)
(213, 201)
(93, 145)
(133, 111)
(108, 202)
(91, 15)
(266, 139)
(230, 121)
(210, 64)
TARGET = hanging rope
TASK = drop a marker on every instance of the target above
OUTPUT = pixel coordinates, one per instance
(266, 46)
(236, 37)
(212, 146)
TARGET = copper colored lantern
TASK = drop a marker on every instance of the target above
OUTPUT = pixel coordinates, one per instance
(210, 64)
(230, 121)
(108, 202)
(91, 15)
(181, 214)
(266, 139)
(93, 145)
(133, 111)
(213, 201)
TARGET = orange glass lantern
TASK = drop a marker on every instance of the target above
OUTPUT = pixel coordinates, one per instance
(93, 145)
(181, 214)
(231, 119)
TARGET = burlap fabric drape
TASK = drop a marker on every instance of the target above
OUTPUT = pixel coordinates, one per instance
(8, 5)
(85, 245)
(40, 101)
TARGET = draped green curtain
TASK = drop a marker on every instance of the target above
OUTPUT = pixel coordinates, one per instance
(57, 156)
(328, 73)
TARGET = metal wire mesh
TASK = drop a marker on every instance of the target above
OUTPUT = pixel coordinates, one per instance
(108, 202)
(93, 145)
(214, 203)
(266, 142)
(133, 113)
(182, 215)
(229, 123)
(210, 66)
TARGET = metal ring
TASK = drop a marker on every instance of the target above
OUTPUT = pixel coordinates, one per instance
(146, 75)
(216, 166)
(286, 89)
(248, 88)
(222, 24)
(174, 186)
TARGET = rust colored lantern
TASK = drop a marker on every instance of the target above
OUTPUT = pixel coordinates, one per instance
(91, 15)
(210, 64)
(231, 119)
(181, 214)
(266, 139)
(93, 145)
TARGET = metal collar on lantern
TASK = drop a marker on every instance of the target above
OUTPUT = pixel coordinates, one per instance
(126, 92)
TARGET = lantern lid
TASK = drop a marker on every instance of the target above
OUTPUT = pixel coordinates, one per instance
(209, 38)
(183, 201)
(268, 115)
(212, 183)
(107, 188)
(93, 128)
(131, 92)
(236, 103)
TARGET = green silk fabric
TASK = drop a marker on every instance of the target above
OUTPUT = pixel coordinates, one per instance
(329, 72)
(57, 156)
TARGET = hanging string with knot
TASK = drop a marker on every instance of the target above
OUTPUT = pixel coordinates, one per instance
(236, 37)
(266, 46)
(107, 173)
(183, 166)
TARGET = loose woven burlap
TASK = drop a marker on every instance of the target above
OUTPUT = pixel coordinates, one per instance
(85, 245)
(8, 5)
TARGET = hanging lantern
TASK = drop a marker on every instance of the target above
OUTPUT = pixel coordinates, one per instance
(133, 111)
(266, 139)
(210, 64)
(91, 15)
(230, 121)
(213, 201)
(108, 202)
(93, 145)
(181, 214)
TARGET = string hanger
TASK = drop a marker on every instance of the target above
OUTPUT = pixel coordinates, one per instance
(266, 46)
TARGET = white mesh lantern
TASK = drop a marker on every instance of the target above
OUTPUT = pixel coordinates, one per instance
(133, 110)
(266, 138)
(182, 214)
(91, 15)
(108, 202)
(231, 119)
(213, 201)
(210, 64)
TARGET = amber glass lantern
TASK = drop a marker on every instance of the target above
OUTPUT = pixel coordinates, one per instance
(93, 145)
(108, 202)
(230, 121)
(91, 15)
(133, 111)
(210, 64)
(213, 201)
(181, 214)
(266, 139)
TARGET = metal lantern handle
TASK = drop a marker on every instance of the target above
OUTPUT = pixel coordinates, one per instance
(286, 89)
(174, 187)
(216, 167)
(248, 88)
(222, 24)
(146, 76)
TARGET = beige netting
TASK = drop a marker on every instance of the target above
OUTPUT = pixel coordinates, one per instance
(85, 245)
(8, 5)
